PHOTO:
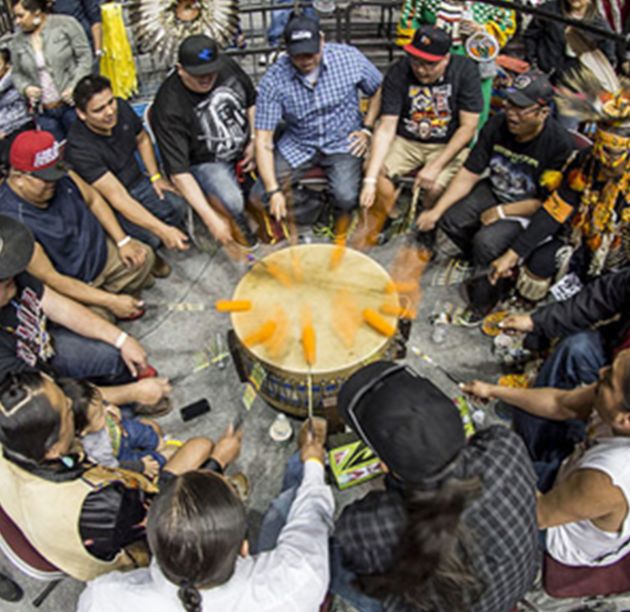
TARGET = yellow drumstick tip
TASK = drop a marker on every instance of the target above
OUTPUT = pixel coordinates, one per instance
(379, 323)
(262, 334)
(232, 305)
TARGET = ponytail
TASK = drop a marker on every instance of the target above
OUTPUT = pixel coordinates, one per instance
(189, 596)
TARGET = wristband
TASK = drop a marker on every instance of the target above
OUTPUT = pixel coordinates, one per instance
(156, 177)
(366, 131)
(370, 180)
(367, 128)
(500, 212)
(123, 241)
(121, 340)
(213, 465)
(273, 192)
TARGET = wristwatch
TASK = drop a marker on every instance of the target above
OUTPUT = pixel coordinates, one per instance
(273, 192)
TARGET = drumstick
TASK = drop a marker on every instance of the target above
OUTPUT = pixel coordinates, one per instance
(379, 323)
(233, 305)
(416, 351)
(262, 334)
(309, 346)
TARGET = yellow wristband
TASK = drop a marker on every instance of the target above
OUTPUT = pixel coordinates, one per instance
(156, 177)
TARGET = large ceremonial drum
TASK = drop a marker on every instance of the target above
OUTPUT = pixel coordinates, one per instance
(323, 284)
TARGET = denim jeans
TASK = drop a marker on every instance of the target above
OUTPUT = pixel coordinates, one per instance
(171, 210)
(57, 120)
(218, 179)
(280, 18)
(79, 357)
(343, 173)
(576, 360)
(138, 440)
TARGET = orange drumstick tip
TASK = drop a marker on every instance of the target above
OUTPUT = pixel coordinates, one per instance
(397, 311)
(262, 334)
(279, 274)
(379, 323)
(309, 344)
(400, 286)
(232, 305)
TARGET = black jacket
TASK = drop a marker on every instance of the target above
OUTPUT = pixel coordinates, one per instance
(545, 42)
(602, 299)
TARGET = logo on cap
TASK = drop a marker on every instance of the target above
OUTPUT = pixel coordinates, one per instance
(522, 81)
(45, 157)
(301, 35)
(425, 40)
(205, 54)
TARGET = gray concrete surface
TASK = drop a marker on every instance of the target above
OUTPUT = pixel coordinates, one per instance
(174, 340)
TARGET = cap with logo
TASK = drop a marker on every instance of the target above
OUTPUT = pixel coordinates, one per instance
(406, 420)
(16, 247)
(429, 43)
(302, 35)
(531, 87)
(199, 55)
(38, 153)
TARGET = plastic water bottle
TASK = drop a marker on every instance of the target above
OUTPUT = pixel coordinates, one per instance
(440, 328)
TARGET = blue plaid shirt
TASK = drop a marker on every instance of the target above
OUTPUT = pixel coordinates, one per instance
(318, 118)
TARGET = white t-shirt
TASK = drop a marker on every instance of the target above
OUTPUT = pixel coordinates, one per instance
(581, 543)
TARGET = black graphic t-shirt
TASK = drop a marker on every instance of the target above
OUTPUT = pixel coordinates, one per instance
(430, 113)
(516, 167)
(196, 128)
(24, 340)
(93, 155)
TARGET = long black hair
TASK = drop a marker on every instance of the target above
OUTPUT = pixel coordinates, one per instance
(195, 529)
(432, 568)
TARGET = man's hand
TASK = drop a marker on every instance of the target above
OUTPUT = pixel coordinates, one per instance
(490, 215)
(124, 306)
(134, 356)
(248, 163)
(228, 448)
(33, 93)
(278, 206)
(311, 444)
(368, 194)
(427, 177)
(132, 254)
(150, 391)
(517, 322)
(66, 96)
(478, 389)
(427, 220)
(174, 238)
(220, 229)
(502, 266)
(151, 467)
(161, 186)
(359, 142)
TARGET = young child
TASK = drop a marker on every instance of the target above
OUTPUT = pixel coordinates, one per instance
(109, 438)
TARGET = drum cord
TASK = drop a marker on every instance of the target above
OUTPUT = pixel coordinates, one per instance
(186, 293)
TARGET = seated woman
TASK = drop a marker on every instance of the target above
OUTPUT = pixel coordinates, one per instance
(50, 54)
(197, 532)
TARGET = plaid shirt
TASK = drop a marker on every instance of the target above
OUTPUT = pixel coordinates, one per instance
(502, 521)
(318, 118)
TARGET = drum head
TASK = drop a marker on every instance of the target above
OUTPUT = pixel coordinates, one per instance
(304, 280)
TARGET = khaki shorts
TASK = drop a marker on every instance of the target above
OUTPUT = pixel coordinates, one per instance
(407, 155)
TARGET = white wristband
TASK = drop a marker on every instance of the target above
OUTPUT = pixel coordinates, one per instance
(370, 180)
(121, 340)
(500, 212)
(121, 243)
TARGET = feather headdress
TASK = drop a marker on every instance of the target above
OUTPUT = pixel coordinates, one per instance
(158, 26)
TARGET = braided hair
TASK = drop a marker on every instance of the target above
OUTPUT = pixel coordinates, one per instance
(189, 596)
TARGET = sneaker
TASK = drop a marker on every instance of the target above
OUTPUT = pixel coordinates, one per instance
(9, 589)
(161, 267)
(241, 483)
(199, 233)
(468, 318)
(245, 238)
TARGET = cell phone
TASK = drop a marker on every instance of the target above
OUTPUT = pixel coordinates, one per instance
(195, 409)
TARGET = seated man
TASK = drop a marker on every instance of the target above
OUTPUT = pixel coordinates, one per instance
(77, 342)
(202, 117)
(455, 527)
(84, 519)
(314, 90)
(200, 512)
(589, 212)
(585, 514)
(520, 148)
(82, 251)
(430, 109)
(102, 148)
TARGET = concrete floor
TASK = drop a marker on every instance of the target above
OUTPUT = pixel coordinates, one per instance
(174, 340)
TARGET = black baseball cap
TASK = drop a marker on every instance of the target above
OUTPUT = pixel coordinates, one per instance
(199, 55)
(406, 420)
(16, 247)
(429, 43)
(531, 87)
(301, 35)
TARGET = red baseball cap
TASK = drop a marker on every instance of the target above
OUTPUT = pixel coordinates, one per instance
(38, 153)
